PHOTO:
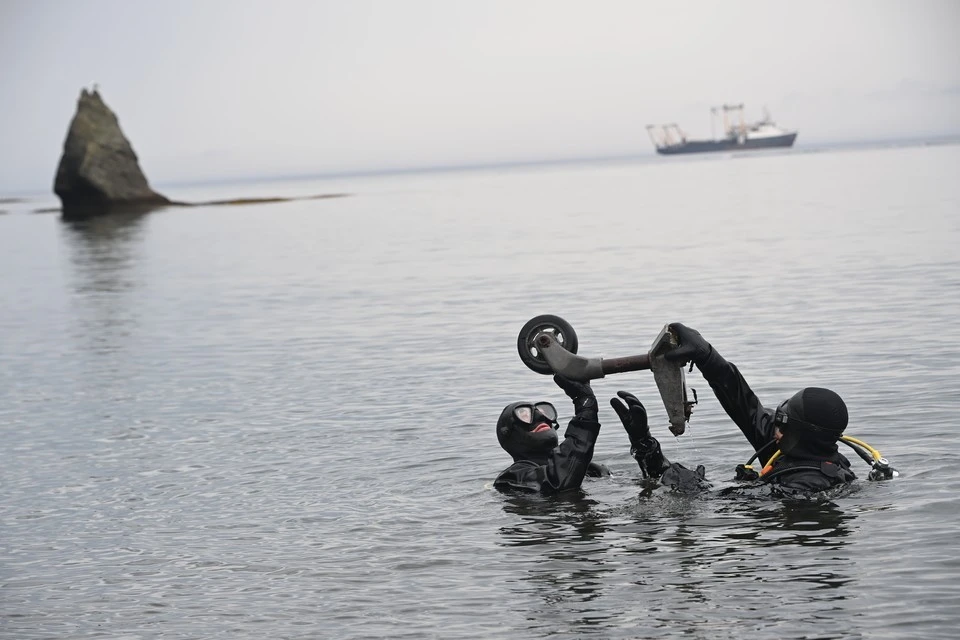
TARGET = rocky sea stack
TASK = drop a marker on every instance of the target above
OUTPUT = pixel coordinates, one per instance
(98, 171)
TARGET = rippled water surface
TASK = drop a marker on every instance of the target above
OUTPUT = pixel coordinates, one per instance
(278, 420)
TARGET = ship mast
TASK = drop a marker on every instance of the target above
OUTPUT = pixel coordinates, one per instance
(727, 129)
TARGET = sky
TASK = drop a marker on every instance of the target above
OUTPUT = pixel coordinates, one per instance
(227, 89)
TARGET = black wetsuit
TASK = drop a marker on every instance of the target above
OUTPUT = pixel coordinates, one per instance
(803, 470)
(563, 468)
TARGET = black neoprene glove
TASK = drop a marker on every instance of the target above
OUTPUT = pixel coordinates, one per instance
(643, 447)
(633, 415)
(692, 346)
(584, 400)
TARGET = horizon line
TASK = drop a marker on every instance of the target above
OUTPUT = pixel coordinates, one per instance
(904, 141)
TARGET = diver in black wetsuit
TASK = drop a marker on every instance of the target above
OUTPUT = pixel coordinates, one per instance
(805, 428)
(528, 432)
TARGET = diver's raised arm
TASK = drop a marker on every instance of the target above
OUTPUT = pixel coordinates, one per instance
(567, 464)
(735, 395)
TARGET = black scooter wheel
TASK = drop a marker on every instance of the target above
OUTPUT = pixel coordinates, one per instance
(530, 354)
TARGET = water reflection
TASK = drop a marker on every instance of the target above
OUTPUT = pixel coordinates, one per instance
(667, 557)
(104, 254)
(797, 543)
(569, 516)
(566, 534)
(103, 248)
(805, 523)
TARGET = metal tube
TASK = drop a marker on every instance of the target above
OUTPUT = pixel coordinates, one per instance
(626, 363)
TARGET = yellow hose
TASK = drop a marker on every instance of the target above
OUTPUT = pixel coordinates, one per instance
(767, 468)
(876, 454)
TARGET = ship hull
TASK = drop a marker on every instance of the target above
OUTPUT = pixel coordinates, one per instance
(707, 146)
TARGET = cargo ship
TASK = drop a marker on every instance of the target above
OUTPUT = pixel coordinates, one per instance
(669, 139)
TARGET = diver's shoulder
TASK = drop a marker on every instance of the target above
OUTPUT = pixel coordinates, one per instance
(522, 475)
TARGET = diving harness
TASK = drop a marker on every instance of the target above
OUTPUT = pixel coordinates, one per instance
(880, 468)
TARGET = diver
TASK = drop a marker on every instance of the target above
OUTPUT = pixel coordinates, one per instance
(528, 432)
(645, 449)
(796, 443)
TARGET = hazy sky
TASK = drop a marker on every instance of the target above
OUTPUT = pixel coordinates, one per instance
(210, 88)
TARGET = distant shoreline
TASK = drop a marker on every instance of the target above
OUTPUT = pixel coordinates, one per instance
(173, 204)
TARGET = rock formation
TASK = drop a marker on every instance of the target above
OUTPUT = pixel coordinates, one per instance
(98, 171)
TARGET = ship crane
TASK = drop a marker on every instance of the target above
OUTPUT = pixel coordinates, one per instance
(727, 108)
(662, 135)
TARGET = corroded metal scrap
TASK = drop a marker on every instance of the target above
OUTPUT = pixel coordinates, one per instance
(670, 381)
